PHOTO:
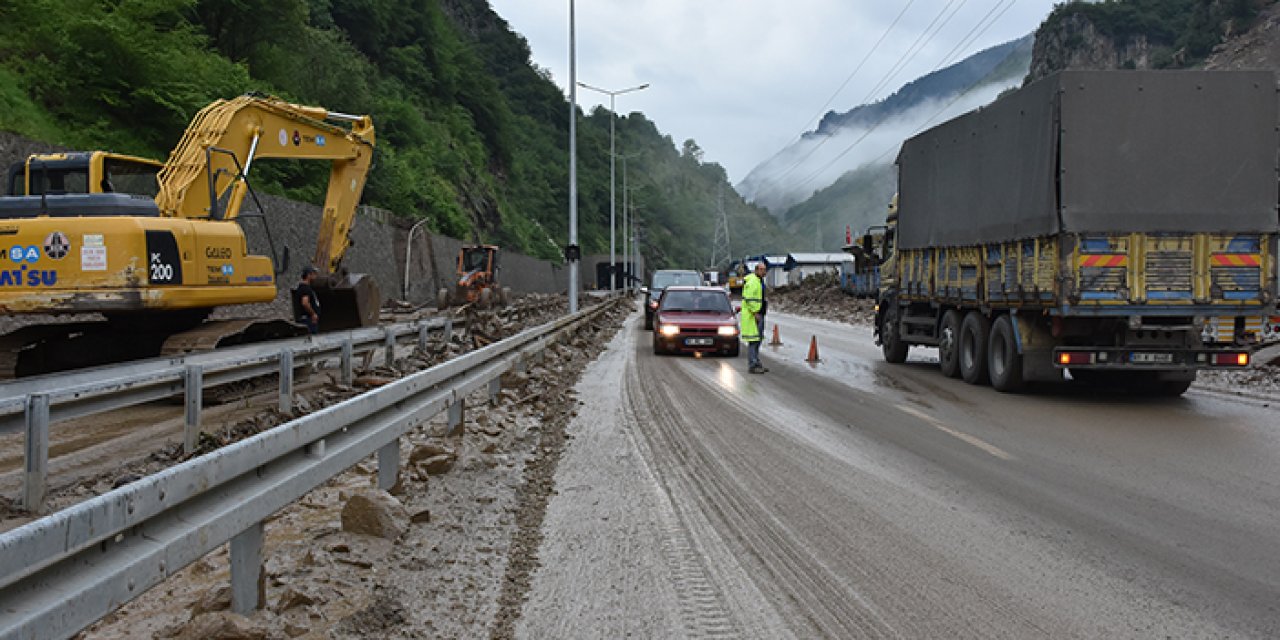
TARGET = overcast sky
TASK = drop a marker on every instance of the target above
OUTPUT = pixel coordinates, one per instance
(745, 77)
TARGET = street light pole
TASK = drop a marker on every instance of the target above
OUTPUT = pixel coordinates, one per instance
(408, 248)
(573, 169)
(613, 195)
(626, 229)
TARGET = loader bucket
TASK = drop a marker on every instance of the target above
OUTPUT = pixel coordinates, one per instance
(348, 302)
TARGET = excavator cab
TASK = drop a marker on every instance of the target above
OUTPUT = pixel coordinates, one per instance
(83, 172)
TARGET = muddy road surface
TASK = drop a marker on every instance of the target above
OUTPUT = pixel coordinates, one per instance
(857, 499)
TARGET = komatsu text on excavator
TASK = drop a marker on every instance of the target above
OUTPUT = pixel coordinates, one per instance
(155, 268)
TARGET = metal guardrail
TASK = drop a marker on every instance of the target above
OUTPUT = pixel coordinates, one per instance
(65, 571)
(33, 404)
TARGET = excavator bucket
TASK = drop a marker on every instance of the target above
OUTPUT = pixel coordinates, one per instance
(348, 302)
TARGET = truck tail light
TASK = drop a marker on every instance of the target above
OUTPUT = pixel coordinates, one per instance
(1231, 359)
(1068, 358)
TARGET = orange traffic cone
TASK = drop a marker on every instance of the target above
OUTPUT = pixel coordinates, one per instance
(776, 342)
(813, 351)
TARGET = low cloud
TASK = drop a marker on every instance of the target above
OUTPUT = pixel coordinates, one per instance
(816, 161)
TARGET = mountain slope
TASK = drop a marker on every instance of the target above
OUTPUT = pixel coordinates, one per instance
(871, 133)
(471, 135)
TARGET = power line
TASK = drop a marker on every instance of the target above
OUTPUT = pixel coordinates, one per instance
(926, 36)
(882, 120)
(823, 109)
(971, 36)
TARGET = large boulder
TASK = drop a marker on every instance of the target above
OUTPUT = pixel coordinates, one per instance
(375, 513)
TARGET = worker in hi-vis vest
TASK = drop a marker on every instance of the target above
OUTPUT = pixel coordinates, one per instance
(753, 308)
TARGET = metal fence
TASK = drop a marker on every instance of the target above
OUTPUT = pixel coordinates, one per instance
(63, 572)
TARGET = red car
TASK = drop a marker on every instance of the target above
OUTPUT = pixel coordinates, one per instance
(695, 320)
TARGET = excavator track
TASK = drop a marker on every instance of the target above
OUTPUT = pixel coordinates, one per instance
(225, 333)
(50, 348)
(21, 348)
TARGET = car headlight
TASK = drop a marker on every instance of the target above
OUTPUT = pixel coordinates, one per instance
(727, 330)
(669, 330)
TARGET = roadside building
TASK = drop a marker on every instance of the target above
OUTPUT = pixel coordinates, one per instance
(802, 265)
(777, 276)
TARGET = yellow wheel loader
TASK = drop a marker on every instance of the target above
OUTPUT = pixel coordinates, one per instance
(156, 267)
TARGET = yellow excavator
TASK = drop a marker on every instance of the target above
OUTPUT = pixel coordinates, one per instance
(156, 267)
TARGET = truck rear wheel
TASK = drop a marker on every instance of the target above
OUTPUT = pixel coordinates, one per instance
(973, 348)
(442, 299)
(1003, 360)
(949, 344)
(895, 350)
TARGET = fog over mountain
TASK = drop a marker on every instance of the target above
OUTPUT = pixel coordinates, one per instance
(869, 135)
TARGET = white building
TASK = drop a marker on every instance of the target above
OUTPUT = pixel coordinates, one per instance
(802, 265)
(777, 274)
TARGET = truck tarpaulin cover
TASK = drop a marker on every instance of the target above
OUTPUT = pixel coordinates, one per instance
(1136, 151)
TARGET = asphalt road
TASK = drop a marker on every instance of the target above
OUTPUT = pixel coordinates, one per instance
(858, 499)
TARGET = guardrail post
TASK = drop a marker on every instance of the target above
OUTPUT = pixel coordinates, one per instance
(423, 334)
(36, 480)
(348, 352)
(193, 392)
(246, 570)
(448, 330)
(495, 385)
(286, 381)
(389, 465)
(389, 343)
(455, 416)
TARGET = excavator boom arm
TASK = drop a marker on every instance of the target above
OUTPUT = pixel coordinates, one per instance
(205, 176)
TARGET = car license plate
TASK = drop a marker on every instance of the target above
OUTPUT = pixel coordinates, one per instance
(698, 342)
(1151, 358)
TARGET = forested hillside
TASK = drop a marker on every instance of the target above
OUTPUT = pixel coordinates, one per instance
(471, 135)
(1138, 34)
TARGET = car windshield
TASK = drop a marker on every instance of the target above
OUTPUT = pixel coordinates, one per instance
(708, 301)
(662, 280)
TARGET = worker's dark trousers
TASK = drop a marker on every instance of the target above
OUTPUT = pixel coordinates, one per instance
(753, 353)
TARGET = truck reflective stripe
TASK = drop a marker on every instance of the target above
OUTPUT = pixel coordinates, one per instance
(1236, 260)
(1104, 260)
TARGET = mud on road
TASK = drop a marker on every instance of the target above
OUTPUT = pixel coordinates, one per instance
(447, 554)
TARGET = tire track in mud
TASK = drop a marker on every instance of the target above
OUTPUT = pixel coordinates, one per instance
(689, 469)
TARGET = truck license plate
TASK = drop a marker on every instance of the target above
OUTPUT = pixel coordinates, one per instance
(698, 342)
(1151, 358)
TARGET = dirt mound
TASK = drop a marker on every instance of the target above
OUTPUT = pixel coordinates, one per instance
(820, 296)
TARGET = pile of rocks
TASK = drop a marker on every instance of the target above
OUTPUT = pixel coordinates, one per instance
(820, 296)
(447, 552)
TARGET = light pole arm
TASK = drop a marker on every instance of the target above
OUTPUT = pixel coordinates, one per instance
(408, 249)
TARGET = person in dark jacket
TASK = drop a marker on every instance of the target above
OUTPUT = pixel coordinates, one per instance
(306, 304)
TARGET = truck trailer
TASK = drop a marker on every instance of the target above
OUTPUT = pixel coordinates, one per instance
(1090, 222)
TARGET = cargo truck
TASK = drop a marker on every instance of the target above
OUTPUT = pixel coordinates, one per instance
(1090, 222)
